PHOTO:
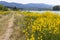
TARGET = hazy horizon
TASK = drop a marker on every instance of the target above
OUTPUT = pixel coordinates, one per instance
(50, 2)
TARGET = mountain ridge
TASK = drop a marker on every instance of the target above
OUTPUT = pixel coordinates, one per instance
(27, 6)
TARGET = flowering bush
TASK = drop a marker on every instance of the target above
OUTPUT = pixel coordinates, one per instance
(45, 26)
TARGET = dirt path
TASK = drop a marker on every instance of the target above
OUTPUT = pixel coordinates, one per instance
(9, 30)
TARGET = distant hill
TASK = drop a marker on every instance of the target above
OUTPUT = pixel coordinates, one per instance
(33, 6)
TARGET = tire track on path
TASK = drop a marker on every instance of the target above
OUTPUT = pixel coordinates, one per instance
(9, 30)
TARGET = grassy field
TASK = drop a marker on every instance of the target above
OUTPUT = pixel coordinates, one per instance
(31, 25)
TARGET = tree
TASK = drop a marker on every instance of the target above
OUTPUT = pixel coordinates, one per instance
(3, 8)
(15, 8)
(56, 8)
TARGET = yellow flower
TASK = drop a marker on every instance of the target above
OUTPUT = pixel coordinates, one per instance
(27, 38)
(24, 31)
(32, 37)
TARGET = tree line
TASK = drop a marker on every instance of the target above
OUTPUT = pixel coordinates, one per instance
(6, 8)
(3, 8)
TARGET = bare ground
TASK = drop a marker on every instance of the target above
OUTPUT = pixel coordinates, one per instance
(9, 29)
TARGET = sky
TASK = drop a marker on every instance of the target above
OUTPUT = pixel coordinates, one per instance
(51, 2)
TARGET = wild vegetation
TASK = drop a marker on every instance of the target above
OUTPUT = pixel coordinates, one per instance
(35, 26)
(3, 8)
